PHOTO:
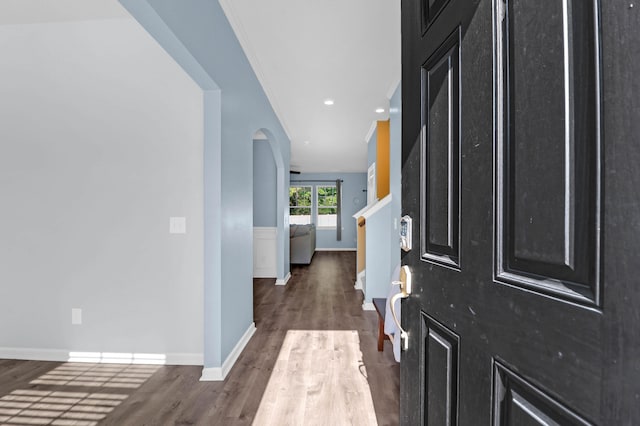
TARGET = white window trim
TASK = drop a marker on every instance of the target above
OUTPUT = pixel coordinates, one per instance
(317, 207)
(311, 212)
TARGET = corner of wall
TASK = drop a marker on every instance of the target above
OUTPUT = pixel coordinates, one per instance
(220, 373)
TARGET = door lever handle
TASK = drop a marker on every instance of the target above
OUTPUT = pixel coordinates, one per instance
(405, 291)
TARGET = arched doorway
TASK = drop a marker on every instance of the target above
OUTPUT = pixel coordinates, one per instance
(270, 209)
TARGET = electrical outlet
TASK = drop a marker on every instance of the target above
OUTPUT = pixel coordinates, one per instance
(177, 225)
(76, 316)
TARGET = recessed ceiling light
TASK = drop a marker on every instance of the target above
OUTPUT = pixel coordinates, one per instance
(306, 142)
(328, 101)
(380, 110)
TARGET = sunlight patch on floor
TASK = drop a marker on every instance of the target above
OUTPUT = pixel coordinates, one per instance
(319, 378)
(97, 375)
(62, 408)
(34, 407)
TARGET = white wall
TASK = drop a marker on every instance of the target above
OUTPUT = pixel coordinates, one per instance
(100, 143)
(198, 36)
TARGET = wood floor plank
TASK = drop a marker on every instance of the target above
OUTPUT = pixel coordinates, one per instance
(312, 361)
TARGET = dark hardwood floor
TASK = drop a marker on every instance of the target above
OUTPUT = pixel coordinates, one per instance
(318, 297)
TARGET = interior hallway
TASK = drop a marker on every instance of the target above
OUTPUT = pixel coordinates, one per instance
(295, 370)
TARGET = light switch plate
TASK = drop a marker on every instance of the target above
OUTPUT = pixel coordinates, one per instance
(76, 316)
(177, 225)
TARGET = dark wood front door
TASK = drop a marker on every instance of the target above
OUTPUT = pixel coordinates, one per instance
(521, 166)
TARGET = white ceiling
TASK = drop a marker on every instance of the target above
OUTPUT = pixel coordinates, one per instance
(304, 52)
(42, 11)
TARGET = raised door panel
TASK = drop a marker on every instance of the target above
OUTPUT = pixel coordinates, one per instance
(440, 357)
(548, 130)
(517, 402)
(430, 10)
(440, 159)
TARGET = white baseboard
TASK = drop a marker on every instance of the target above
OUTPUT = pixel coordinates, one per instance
(285, 280)
(237, 350)
(212, 374)
(185, 359)
(368, 306)
(33, 354)
(359, 285)
(216, 374)
(336, 249)
(60, 355)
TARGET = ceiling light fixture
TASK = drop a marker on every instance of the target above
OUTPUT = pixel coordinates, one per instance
(328, 102)
(380, 110)
(306, 142)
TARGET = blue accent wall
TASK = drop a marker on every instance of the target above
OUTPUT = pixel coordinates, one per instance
(198, 36)
(353, 199)
(264, 185)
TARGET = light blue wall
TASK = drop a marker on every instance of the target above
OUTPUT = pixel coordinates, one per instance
(395, 173)
(371, 148)
(264, 185)
(382, 243)
(378, 276)
(212, 228)
(353, 199)
(372, 151)
(197, 34)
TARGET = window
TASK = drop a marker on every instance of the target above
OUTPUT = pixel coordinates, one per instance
(300, 205)
(327, 206)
